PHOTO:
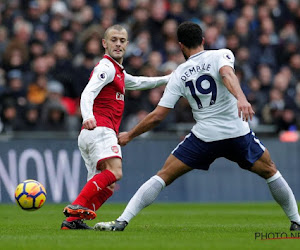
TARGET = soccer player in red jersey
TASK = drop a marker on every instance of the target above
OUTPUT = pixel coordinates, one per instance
(102, 106)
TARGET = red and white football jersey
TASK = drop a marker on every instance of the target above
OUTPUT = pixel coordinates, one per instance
(103, 96)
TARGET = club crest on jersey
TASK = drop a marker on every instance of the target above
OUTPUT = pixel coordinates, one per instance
(227, 56)
(102, 76)
(115, 149)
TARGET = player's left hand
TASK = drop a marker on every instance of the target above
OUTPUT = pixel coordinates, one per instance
(245, 110)
(123, 138)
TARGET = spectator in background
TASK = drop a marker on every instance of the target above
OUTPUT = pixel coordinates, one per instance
(56, 25)
(33, 14)
(91, 45)
(36, 49)
(265, 76)
(241, 29)
(15, 90)
(37, 90)
(124, 10)
(281, 82)
(273, 110)
(134, 118)
(55, 117)
(176, 11)
(139, 21)
(242, 60)
(256, 98)
(153, 100)
(15, 56)
(22, 31)
(82, 73)
(248, 12)
(158, 13)
(183, 112)
(3, 41)
(63, 70)
(40, 67)
(192, 10)
(8, 116)
(288, 121)
(133, 99)
(155, 59)
(233, 42)
(30, 119)
(41, 35)
(231, 10)
(297, 102)
(264, 52)
(294, 64)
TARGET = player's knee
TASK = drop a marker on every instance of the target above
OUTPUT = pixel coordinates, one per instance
(114, 165)
(271, 170)
(267, 170)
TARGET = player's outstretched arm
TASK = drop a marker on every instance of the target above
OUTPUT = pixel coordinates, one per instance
(148, 123)
(144, 82)
(231, 82)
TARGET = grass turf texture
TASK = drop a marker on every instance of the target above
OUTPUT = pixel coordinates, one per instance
(160, 226)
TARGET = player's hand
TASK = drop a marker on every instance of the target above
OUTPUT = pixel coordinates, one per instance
(245, 110)
(90, 124)
(123, 138)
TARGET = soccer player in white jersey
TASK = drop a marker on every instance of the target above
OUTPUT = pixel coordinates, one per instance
(221, 110)
(102, 106)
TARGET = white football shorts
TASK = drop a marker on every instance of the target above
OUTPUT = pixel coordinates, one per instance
(97, 145)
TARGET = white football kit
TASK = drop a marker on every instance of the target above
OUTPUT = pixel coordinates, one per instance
(214, 107)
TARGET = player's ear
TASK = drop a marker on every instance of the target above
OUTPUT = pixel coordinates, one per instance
(180, 45)
(104, 44)
(203, 41)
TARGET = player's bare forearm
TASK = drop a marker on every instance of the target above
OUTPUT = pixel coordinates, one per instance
(148, 123)
(145, 125)
(231, 82)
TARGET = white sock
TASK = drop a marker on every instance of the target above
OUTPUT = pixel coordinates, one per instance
(145, 195)
(284, 196)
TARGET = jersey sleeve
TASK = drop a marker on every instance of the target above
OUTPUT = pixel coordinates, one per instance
(103, 74)
(226, 58)
(143, 82)
(171, 94)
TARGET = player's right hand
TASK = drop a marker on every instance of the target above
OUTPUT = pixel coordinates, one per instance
(245, 110)
(123, 138)
(90, 124)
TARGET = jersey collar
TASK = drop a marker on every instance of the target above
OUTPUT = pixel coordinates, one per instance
(197, 54)
(114, 62)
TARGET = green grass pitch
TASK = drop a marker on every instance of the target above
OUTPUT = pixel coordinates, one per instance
(160, 226)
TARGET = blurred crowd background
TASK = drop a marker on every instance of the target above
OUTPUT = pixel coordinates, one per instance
(48, 49)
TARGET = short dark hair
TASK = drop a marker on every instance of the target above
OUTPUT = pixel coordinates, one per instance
(190, 34)
(117, 27)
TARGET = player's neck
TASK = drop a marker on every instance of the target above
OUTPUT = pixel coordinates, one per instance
(119, 61)
(194, 51)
